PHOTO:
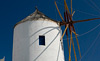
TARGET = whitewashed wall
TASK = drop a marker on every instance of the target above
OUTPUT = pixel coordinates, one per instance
(26, 41)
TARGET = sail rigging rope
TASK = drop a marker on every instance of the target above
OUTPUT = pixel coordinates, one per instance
(81, 11)
(87, 31)
(95, 4)
(86, 13)
(91, 6)
(90, 46)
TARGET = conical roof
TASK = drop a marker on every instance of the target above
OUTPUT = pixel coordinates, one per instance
(35, 16)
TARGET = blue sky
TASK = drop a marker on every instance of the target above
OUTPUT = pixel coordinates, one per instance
(12, 11)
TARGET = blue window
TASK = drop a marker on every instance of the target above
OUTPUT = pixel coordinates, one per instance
(41, 40)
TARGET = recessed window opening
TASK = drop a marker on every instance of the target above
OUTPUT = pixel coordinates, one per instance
(42, 40)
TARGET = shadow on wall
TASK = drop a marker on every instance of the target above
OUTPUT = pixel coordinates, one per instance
(46, 47)
(26, 49)
(45, 32)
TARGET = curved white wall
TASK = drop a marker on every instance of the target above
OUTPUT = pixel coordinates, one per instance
(26, 41)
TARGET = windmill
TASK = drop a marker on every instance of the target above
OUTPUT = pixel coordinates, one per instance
(68, 23)
(39, 38)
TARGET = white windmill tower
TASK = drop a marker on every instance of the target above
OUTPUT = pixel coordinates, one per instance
(37, 38)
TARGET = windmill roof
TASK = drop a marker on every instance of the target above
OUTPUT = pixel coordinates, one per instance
(35, 16)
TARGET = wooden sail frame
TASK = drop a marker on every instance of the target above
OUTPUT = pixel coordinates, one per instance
(69, 24)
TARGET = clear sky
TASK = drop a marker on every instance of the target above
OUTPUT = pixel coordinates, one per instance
(12, 11)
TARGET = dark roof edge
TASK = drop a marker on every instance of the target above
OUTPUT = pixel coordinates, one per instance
(36, 18)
